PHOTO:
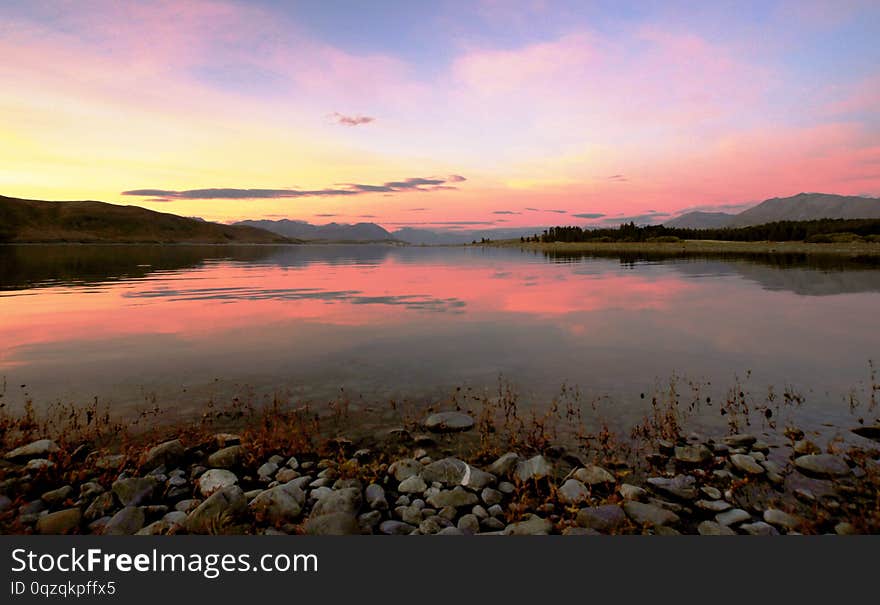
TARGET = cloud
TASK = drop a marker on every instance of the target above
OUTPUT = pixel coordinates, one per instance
(639, 219)
(505, 212)
(354, 120)
(366, 216)
(617, 178)
(589, 215)
(325, 215)
(447, 223)
(406, 185)
(547, 210)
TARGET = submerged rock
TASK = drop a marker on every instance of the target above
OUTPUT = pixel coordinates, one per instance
(449, 422)
(822, 465)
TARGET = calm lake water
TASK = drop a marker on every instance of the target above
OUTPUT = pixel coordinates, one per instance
(181, 324)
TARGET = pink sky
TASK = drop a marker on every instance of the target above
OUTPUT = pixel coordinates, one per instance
(546, 106)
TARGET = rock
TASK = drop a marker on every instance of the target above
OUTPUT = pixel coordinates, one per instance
(5, 503)
(339, 501)
(649, 514)
(710, 528)
(135, 491)
(375, 497)
(573, 492)
(779, 518)
(101, 506)
(405, 468)
(713, 506)
(168, 454)
(187, 506)
(448, 471)
(35, 465)
(480, 512)
(712, 492)
(223, 440)
(412, 485)
(279, 504)
(450, 531)
(593, 475)
(533, 525)
(333, 524)
(214, 480)
(90, 489)
(580, 531)
(693, 454)
(605, 518)
(174, 519)
(845, 529)
(533, 468)
(126, 522)
(680, 486)
(218, 512)
(457, 497)
(632, 492)
(868, 432)
(285, 475)
(449, 422)
(740, 440)
(469, 524)
(110, 462)
(61, 522)
(491, 496)
(732, 516)
(369, 520)
(56, 497)
(36, 449)
(228, 457)
(746, 464)
(759, 528)
(396, 528)
(822, 465)
(504, 465)
(266, 471)
(491, 524)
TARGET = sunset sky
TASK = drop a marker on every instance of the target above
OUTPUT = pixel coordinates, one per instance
(483, 113)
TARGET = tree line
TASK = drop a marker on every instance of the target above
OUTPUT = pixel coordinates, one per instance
(820, 231)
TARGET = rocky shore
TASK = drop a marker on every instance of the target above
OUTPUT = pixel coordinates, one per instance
(407, 482)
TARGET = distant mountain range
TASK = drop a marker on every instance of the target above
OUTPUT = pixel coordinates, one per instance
(36, 221)
(800, 207)
(371, 232)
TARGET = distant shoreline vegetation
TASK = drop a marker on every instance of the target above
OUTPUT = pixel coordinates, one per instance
(822, 231)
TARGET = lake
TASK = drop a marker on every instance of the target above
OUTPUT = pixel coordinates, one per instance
(179, 325)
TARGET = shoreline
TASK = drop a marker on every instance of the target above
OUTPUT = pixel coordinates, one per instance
(699, 247)
(485, 469)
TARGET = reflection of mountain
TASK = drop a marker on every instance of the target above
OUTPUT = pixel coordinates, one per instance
(46, 265)
(798, 273)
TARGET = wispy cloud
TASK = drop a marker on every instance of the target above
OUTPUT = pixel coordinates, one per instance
(617, 178)
(403, 186)
(350, 120)
(639, 219)
(589, 215)
(505, 212)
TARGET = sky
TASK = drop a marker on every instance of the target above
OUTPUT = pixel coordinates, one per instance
(438, 114)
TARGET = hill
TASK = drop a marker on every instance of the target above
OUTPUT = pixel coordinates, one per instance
(36, 221)
(334, 232)
(800, 207)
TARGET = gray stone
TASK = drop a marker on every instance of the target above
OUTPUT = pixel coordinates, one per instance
(110, 462)
(375, 496)
(168, 454)
(680, 486)
(693, 454)
(469, 524)
(605, 518)
(449, 422)
(340, 501)
(713, 506)
(396, 528)
(450, 531)
(822, 465)
(649, 514)
(593, 475)
(632, 492)
(101, 506)
(61, 522)
(412, 485)
(405, 468)
(337, 523)
(135, 491)
(845, 529)
(214, 480)
(759, 528)
(491, 496)
(266, 471)
(573, 492)
(868, 432)
(805, 446)
(712, 492)
(217, 512)
(732, 516)
(228, 457)
(740, 440)
(280, 504)
(580, 531)
(746, 464)
(504, 465)
(369, 520)
(36, 449)
(448, 471)
(480, 512)
(457, 497)
(35, 465)
(711, 528)
(507, 488)
(779, 518)
(533, 525)
(496, 511)
(491, 524)
(56, 497)
(126, 522)
(533, 468)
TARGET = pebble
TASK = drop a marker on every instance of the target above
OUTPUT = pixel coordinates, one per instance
(779, 518)
(412, 485)
(128, 521)
(536, 467)
(214, 480)
(573, 492)
(822, 465)
(532, 525)
(228, 457)
(680, 486)
(732, 516)
(491, 496)
(605, 518)
(711, 528)
(594, 475)
(632, 492)
(649, 514)
(746, 464)
(693, 454)
(168, 454)
(469, 524)
(36, 449)
(504, 465)
(759, 528)
(61, 522)
(448, 422)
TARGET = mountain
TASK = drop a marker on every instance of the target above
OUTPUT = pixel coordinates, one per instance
(701, 220)
(449, 237)
(336, 232)
(800, 207)
(98, 222)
